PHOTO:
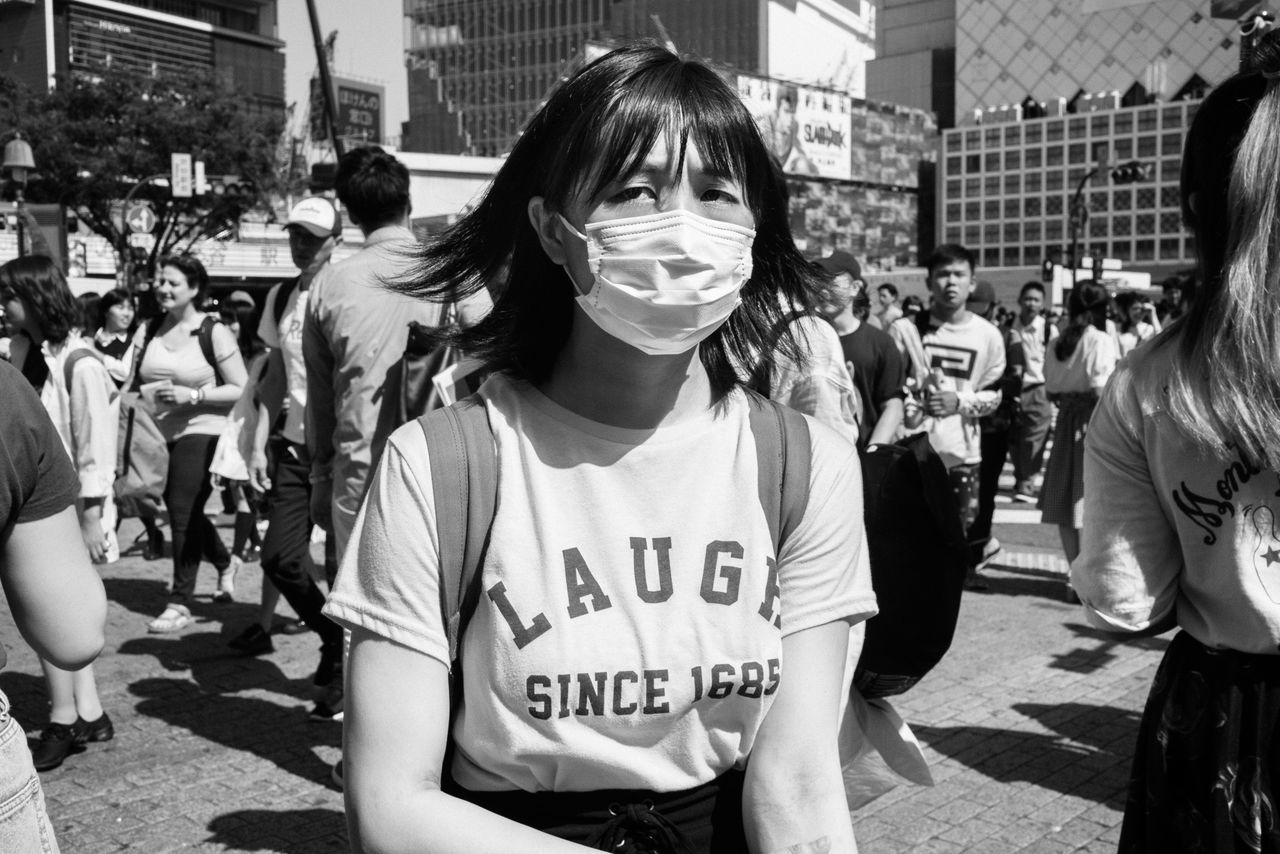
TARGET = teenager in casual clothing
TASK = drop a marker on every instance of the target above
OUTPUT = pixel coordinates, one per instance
(55, 596)
(638, 238)
(887, 309)
(1139, 321)
(1076, 371)
(192, 397)
(1034, 413)
(314, 228)
(84, 410)
(870, 355)
(1180, 530)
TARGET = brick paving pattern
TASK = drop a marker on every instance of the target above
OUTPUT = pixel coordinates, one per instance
(1028, 725)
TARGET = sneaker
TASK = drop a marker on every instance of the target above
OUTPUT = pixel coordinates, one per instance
(252, 641)
(227, 581)
(330, 668)
(99, 730)
(1024, 493)
(989, 551)
(975, 580)
(336, 773)
(57, 742)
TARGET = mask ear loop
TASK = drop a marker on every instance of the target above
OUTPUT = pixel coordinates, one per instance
(572, 230)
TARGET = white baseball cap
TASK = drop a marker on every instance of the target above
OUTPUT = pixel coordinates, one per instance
(318, 215)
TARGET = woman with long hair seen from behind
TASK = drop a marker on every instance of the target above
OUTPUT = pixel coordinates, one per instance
(637, 638)
(1182, 519)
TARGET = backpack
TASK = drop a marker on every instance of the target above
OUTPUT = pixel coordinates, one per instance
(464, 484)
(919, 557)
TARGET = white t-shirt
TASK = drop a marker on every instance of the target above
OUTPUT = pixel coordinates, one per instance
(630, 634)
(1170, 530)
(970, 356)
(287, 337)
(1088, 367)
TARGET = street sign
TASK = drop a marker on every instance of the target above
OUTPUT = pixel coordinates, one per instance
(180, 175)
(142, 241)
(202, 186)
(141, 218)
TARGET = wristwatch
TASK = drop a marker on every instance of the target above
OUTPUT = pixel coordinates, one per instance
(195, 396)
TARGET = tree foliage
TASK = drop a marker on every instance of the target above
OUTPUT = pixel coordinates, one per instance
(97, 137)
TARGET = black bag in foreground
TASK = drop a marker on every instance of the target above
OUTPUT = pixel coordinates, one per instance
(919, 558)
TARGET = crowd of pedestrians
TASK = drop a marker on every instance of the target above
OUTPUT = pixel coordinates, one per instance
(630, 285)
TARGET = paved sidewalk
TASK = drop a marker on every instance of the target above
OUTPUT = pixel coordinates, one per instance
(1028, 724)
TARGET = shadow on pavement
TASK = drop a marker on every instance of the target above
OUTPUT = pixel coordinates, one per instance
(1088, 755)
(306, 831)
(1085, 659)
(28, 698)
(215, 667)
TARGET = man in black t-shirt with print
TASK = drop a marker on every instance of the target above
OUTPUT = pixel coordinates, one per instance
(870, 354)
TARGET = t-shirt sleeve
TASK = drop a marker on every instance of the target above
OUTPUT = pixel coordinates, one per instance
(267, 329)
(389, 581)
(824, 571)
(39, 480)
(891, 379)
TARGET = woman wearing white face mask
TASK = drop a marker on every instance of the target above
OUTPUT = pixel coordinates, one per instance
(625, 656)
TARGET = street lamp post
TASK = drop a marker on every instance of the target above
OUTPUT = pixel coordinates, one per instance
(19, 162)
(1079, 218)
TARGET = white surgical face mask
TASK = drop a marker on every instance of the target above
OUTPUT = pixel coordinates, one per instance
(663, 282)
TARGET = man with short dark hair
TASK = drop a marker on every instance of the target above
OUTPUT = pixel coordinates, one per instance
(870, 355)
(1034, 413)
(887, 309)
(966, 358)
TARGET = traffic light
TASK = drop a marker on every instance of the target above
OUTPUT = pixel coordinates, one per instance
(1132, 172)
(1046, 271)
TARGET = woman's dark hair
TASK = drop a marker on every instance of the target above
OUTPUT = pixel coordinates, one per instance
(1087, 306)
(373, 186)
(1124, 302)
(597, 128)
(89, 301)
(911, 305)
(40, 285)
(191, 267)
(111, 299)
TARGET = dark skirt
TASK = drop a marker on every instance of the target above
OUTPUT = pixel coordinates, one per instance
(706, 819)
(1062, 493)
(1204, 768)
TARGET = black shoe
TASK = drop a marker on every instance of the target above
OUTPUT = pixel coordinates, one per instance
(330, 708)
(336, 773)
(330, 667)
(290, 626)
(57, 742)
(154, 549)
(100, 730)
(252, 641)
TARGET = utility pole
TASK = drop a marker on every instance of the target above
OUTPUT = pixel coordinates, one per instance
(326, 82)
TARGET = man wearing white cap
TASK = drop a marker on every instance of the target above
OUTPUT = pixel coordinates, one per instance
(314, 229)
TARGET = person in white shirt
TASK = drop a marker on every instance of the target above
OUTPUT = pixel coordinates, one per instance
(1034, 412)
(637, 237)
(887, 309)
(1182, 499)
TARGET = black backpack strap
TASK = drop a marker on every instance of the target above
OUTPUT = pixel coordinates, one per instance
(281, 301)
(152, 327)
(784, 459)
(206, 345)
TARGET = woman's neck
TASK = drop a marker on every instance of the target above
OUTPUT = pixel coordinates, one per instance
(602, 379)
(186, 315)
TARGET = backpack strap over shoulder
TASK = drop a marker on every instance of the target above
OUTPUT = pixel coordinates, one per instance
(783, 461)
(464, 484)
(152, 327)
(281, 301)
(73, 359)
(206, 345)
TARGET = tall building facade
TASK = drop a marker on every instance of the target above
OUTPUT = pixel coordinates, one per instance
(479, 68)
(236, 39)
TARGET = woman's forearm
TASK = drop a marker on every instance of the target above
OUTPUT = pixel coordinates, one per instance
(804, 812)
(225, 393)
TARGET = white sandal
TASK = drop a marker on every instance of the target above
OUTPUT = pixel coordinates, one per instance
(174, 618)
(227, 581)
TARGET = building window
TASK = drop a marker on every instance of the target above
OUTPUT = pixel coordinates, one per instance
(1012, 255)
(1032, 182)
(1170, 197)
(1123, 149)
(1031, 231)
(1053, 230)
(1122, 225)
(1034, 133)
(991, 210)
(1053, 155)
(1145, 199)
(992, 185)
(993, 161)
(972, 139)
(1031, 255)
(1171, 170)
(1053, 206)
(1032, 206)
(1146, 120)
(1034, 158)
(1171, 144)
(1144, 224)
(1011, 208)
(1171, 117)
(992, 137)
(990, 257)
(1170, 249)
(953, 165)
(1012, 160)
(1171, 223)
(1078, 128)
(1123, 199)
(1012, 232)
(954, 141)
(1146, 146)
(1012, 184)
(1013, 135)
(953, 234)
(1144, 250)
(1098, 226)
(953, 211)
(1123, 123)
(1053, 180)
(1100, 125)
(1098, 201)
(972, 211)
(972, 188)
(1053, 131)
(972, 235)
(1076, 153)
(991, 233)
(973, 163)
(954, 188)
(1121, 250)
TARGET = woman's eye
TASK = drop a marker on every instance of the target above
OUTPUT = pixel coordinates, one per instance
(633, 194)
(719, 195)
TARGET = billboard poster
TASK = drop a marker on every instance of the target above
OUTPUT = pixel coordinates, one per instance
(807, 129)
(358, 108)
